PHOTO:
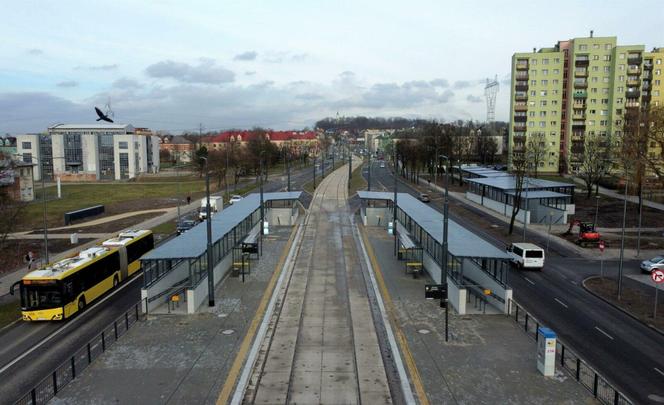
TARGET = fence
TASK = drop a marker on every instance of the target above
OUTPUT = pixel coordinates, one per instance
(584, 374)
(74, 366)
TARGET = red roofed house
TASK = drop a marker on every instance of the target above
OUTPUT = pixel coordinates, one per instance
(295, 140)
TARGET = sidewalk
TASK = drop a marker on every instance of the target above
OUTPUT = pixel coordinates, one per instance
(180, 359)
(488, 360)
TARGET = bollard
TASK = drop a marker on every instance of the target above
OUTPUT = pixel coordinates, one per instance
(103, 342)
(115, 327)
(73, 367)
(595, 384)
(578, 368)
(55, 383)
(89, 354)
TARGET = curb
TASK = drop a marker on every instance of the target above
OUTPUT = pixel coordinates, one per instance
(631, 315)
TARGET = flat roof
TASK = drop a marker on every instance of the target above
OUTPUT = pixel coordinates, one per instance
(93, 126)
(507, 183)
(537, 194)
(193, 243)
(461, 241)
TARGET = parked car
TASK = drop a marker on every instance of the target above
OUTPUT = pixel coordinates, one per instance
(526, 255)
(235, 198)
(650, 265)
(425, 197)
(382, 164)
(185, 225)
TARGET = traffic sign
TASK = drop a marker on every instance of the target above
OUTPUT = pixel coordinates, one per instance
(601, 246)
(657, 276)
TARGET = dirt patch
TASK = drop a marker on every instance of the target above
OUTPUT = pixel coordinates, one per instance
(14, 250)
(649, 240)
(636, 298)
(611, 213)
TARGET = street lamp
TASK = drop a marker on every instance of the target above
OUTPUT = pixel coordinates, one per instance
(208, 219)
(622, 241)
(596, 210)
(444, 268)
(525, 211)
(394, 208)
(369, 174)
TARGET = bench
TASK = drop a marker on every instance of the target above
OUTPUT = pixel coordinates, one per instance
(409, 251)
(250, 243)
(83, 213)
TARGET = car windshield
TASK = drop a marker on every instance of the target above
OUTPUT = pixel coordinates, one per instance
(657, 259)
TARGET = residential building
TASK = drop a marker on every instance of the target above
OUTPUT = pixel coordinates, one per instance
(296, 140)
(179, 148)
(578, 89)
(8, 145)
(16, 178)
(89, 152)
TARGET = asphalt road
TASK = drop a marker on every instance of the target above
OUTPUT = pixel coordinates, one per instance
(51, 343)
(623, 350)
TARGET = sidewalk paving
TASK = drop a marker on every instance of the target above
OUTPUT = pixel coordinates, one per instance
(180, 359)
(488, 360)
(631, 198)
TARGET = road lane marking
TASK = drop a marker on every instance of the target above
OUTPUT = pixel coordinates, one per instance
(659, 371)
(604, 333)
(574, 282)
(528, 280)
(68, 325)
(560, 302)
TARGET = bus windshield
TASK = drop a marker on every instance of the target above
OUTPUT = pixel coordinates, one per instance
(40, 296)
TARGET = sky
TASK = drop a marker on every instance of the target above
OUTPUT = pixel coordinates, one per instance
(174, 65)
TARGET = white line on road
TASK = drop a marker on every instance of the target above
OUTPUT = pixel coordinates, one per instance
(604, 333)
(659, 371)
(528, 280)
(560, 302)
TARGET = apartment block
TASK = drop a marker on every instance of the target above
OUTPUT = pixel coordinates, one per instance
(577, 90)
(89, 152)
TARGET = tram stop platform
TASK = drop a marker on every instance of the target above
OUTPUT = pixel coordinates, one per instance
(477, 270)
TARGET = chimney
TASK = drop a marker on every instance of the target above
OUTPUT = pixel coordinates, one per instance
(534, 50)
(591, 33)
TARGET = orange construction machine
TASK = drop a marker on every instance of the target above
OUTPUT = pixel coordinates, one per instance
(587, 236)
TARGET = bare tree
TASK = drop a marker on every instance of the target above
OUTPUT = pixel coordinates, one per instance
(536, 151)
(519, 167)
(10, 212)
(654, 156)
(596, 161)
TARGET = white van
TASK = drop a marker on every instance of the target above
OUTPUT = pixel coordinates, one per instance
(526, 255)
(216, 204)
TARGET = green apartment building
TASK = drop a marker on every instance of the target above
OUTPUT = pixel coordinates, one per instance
(578, 89)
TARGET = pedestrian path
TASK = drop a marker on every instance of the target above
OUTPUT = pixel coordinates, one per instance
(631, 198)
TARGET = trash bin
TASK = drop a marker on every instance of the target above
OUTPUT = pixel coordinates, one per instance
(73, 238)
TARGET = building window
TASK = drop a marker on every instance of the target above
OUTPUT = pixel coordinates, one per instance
(531, 113)
(658, 72)
(621, 89)
(533, 72)
(556, 71)
(595, 68)
(604, 112)
(533, 93)
(123, 145)
(595, 46)
(543, 103)
(553, 123)
(545, 82)
(594, 79)
(124, 165)
(607, 47)
(603, 123)
(605, 101)
(545, 72)
(542, 124)
(73, 152)
(595, 57)
(533, 82)
(655, 93)
(545, 61)
(658, 62)
(555, 82)
(27, 157)
(106, 157)
(542, 114)
(607, 57)
(556, 60)
(605, 79)
(583, 47)
(543, 93)
(607, 69)
(26, 145)
(621, 56)
(591, 123)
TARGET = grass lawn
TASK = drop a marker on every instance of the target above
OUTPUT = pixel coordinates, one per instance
(555, 178)
(166, 228)
(9, 312)
(357, 181)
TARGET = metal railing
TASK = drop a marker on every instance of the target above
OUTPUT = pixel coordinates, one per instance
(600, 387)
(45, 390)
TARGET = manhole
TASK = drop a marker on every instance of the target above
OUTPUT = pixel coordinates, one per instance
(228, 332)
(424, 331)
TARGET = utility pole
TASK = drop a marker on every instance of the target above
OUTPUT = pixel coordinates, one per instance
(314, 172)
(262, 209)
(369, 174)
(444, 269)
(288, 169)
(350, 166)
(525, 211)
(622, 242)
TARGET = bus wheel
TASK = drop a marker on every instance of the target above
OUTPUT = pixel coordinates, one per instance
(81, 303)
(115, 281)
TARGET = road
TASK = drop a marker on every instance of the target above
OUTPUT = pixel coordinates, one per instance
(55, 342)
(626, 352)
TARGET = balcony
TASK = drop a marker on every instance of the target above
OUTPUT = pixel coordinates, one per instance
(521, 87)
(522, 75)
(521, 97)
(520, 107)
(582, 61)
(580, 84)
(633, 81)
(578, 136)
(634, 59)
(578, 125)
(632, 104)
(522, 66)
(518, 127)
(647, 65)
(580, 94)
(581, 73)
(646, 98)
(579, 116)
(520, 118)
(633, 69)
(633, 94)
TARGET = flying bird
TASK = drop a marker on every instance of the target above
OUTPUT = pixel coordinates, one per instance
(102, 116)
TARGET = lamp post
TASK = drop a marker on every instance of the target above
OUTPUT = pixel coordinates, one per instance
(622, 241)
(369, 174)
(288, 169)
(314, 172)
(525, 211)
(596, 210)
(208, 220)
(394, 208)
(262, 205)
(350, 166)
(444, 268)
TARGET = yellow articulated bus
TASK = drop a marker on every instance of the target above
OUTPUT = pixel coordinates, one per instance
(59, 290)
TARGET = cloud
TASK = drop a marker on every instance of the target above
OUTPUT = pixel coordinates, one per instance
(250, 73)
(35, 52)
(126, 83)
(462, 84)
(103, 67)
(35, 111)
(207, 72)
(244, 56)
(285, 56)
(68, 83)
(406, 95)
(473, 99)
(439, 83)
(299, 57)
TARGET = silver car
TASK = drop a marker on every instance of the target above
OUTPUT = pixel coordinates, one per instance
(656, 263)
